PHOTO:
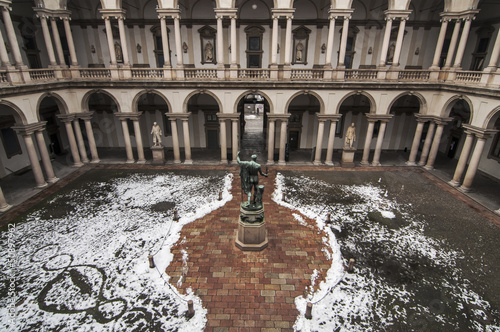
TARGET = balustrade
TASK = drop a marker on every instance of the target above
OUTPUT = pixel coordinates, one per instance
(200, 74)
(41, 74)
(468, 77)
(253, 74)
(95, 73)
(306, 74)
(3, 77)
(414, 75)
(147, 73)
(360, 74)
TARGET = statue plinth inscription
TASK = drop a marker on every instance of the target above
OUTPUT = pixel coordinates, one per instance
(252, 234)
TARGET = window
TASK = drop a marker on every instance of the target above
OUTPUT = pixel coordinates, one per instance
(254, 46)
(484, 35)
(350, 46)
(495, 148)
(158, 51)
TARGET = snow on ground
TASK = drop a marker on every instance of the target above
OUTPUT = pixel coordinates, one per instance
(403, 279)
(86, 268)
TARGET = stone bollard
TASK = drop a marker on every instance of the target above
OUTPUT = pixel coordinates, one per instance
(151, 262)
(309, 311)
(350, 268)
(328, 218)
(176, 215)
(220, 195)
(283, 197)
(190, 312)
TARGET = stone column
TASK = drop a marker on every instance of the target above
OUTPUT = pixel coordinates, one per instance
(385, 42)
(11, 36)
(86, 117)
(67, 119)
(111, 44)
(274, 42)
(187, 142)
(175, 140)
(270, 142)
(329, 42)
(234, 145)
(123, 41)
(79, 140)
(126, 138)
(439, 46)
(319, 142)
(71, 43)
(495, 54)
(416, 142)
(57, 41)
(47, 165)
(138, 138)
(368, 141)
(4, 58)
(234, 45)
(474, 163)
(223, 141)
(220, 43)
(399, 42)
(331, 138)
(288, 40)
(435, 144)
(463, 42)
(343, 41)
(164, 42)
(48, 41)
(427, 143)
(453, 44)
(283, 133)
(178, 43)
(380, 140)
(462, 162)
(35, 164)
(4, 206)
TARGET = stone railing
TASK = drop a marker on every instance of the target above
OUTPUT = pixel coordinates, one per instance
(254, 74)
(414, 75)
(200, 74)
(3, 77)
(147, 73)
(42, 74)
(306, 74)
(468, 77)
(97, 73)
(360, 74)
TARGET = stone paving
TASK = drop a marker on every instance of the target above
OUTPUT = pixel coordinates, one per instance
(254, 290)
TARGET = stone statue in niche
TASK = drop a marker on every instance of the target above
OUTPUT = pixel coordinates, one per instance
(390, 53)
(249, 173)
(156, 132)
(118, 52)
(350, 136)
(209, 52)
(299, 52)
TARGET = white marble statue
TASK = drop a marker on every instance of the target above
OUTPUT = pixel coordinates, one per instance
(157, 133)
(350, 136)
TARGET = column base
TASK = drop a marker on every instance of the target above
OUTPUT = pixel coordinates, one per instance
(40, 186)
(421, 163)
(234, 162)
(410, 163)
(282, 163)
(95, 161)
(464, 189)
(270, 162)
(454, 183)
(53, 180)
(188, 162)
(376, 163)
(429, 168)
(130, 161)
(329, 163)
(317, 163)
(5, 207)
(497, 212)
(80, 164)
(141, 161)
(364, 163)
(223, 162)
(177, 161)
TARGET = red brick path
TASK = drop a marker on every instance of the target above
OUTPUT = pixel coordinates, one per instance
(249, 290)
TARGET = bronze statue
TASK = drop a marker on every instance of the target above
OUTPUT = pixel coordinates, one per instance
(249, 173)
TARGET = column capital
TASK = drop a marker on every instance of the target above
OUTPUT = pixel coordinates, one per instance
(379, 117)
(397, 14)
(440, 121)
(28, 129)
(178, 116)
(66, 117)
(423, 117)
(479, 132)
(277, 12)
(331, 117)
(230, 116)
(52, 13)
(86, 116)
(5, 5)
(113, 13)
(172, 12)
(225, 12)
(278, 116)
(125, 116)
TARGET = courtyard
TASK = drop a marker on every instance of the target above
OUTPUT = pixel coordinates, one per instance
(426, 257)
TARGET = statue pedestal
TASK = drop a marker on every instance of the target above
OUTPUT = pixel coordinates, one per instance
(158, 155)
(348, 157)
(252, 234)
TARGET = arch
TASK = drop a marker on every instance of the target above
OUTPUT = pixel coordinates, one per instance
(421, 100)
(373, 107)
(255, 92)
(61, 104)
(246, 11)
(451, 102)
(135, 101)
(307, 92)
(490, 120)
(18, 114)
(86, 97)
(200, 91)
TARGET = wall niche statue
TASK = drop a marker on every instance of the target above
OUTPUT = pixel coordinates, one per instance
(300, 41)
(207, 38)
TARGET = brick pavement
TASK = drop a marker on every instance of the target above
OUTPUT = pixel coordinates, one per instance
(248, 290)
